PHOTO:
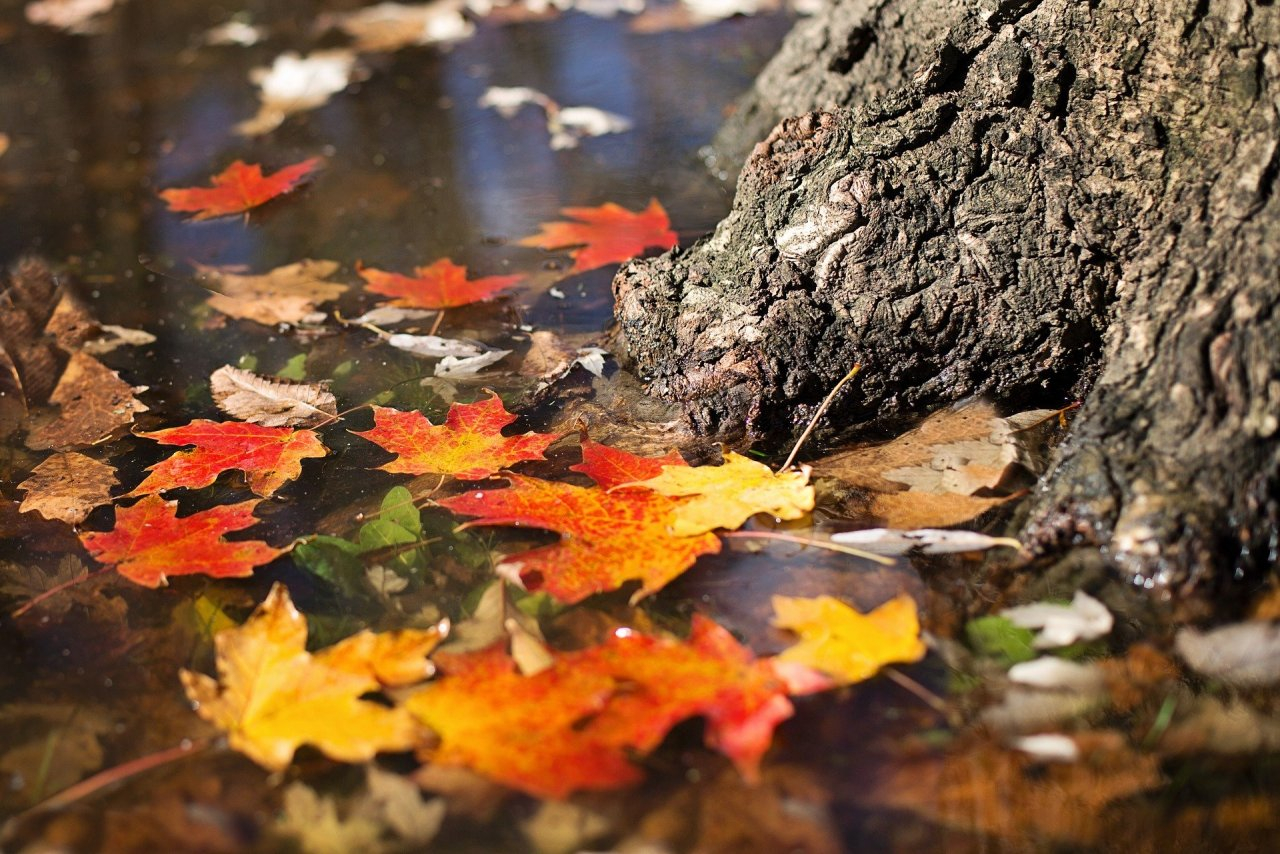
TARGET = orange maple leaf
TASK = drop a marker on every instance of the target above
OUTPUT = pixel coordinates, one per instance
(575, 724)
(150, 543)
(269, 456)
(442, 284)
(236, 189)
(606, 235)
(610, 538)
(469, 445)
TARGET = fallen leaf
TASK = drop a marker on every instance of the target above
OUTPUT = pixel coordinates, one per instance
(847, 645)
(271, 402)
(548, 358)
(389, 315)
(608, 234)
(929, 541)
(67, 486)
(565, 125)
(269, 456)
(435, 347)
(441, 284)
(74, 16)
(727, 495)
(149, 542)
(916, 510)
(312, 823)
(1242, 654)
(613, 467)
(468, 366)
(113, 337)
(287, 294)
(237, 189)
(691, 14)
(49, 747)
(386, 27)
(25, 582)
(234, 32)
(469, 445)
(31, 360)
(94, 405)
(295, 84)
(395, 802)
(272, 696)
(1085, 619)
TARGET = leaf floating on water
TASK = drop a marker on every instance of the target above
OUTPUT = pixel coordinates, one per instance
(269, 456)
(566, 125)
(1244, 654)
(453, 366)
(435, 347)
(114, 337)
(295, 84)
(271, 402)
(94, 405)
(609, 234)
(287, 294)
(237, 189)
(469, 444)
(67, 486)
(727, 495)
(1085, 619)
(389, 315)
(149, 543)
(272, 696)
(845, 644)
(74, 16)
(441, 284)
(387, 27)
(930, 541)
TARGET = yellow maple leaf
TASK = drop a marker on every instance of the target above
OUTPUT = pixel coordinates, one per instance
(273, 696)
(727, 495)
(845, 644)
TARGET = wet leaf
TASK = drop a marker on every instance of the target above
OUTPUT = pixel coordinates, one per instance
(469, 444)
(312, 822)
(468, 366)
(287, 294)
(565, 125)
(114, 337)
(1244, 654)
(271, 402)
(149, 543)
(295, 84)
(67, 486)
(996, 637)
(237, 189)
(608, 234)
(392, 26)
(441, 284)
(845, 644)
(929, 541)
(74, 16)
(727, 495)
(1085, 619)
(270, 457)
(613, 467)
(94, 405)
(272, 696)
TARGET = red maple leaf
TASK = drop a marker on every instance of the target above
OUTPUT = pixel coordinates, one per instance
(605, 235)
(269, 456)
(236, 189)
(575, 724)
(469, 445)
(443, 284)
(150, 543)
(609, 538)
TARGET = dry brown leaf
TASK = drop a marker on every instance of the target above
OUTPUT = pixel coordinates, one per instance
(94, 405)
(287, 294)
(30, 362)
(271, 402)
(922, 510)
(547, 356)
(67, 487)
(50, 746)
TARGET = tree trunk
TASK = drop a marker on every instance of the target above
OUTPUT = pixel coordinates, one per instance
(1034, 201)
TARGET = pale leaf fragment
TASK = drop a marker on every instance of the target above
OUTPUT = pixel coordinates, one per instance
(67, 486)
(565, 125)
(287, 294)
(1241, 654)
(386, 27)
(1085, 619)
(930, 541)
(452, 366)
(271, 402)
(435, 347)
(388, 315)
(114, 337)
(313, 822)
(295, 84)
(74, 16)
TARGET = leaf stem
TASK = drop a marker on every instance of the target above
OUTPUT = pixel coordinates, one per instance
(808, 541)
(929, 698)
(822, 410)
(122, 772)
(57, 588)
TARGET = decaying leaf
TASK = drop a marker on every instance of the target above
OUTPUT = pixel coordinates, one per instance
(845, 644)
(74, 16)
(435, 347)
(149, 542)
(287, 294)
(312, 823)
(25, 582)
(548, 358)
(67, 486)
(441, 284)
(49, 747)
(565, 125)
(30, 360)
(269, 456)
(94, 405)
(1243, 654)
(237, 189)
(609, 234)
(113, 337)
(727, 495)
(386, 27)
(295, 84)
(929, 541)
(1085, 619)
(272, 696)
(269, 401)
(469, 444)
(468, 366)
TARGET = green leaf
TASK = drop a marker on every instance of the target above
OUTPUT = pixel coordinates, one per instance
(335, 560)
(998, 638)
(398, 508)
(294, 369)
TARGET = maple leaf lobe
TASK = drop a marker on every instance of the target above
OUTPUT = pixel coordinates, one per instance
(238, 188)
(607, 234)
(441, 284)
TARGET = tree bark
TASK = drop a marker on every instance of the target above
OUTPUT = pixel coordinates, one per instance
(1034, 200)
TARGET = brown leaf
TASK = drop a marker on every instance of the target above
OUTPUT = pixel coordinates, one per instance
(547, 356)
(67, 486)
(287, 294)
(911, 510)
(271, 402)
(94, 405)
(30, 361)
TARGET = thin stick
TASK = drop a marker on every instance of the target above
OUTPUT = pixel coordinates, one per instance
(435, 327)
(806, 541)
(121, 773)
(822, 410)
(930, 699)
(58, 588)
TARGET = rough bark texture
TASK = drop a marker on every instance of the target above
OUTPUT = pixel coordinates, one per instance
(1022, 199)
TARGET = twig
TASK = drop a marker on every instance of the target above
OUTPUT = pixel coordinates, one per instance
(822, 410)
(929, 698)
(806, 541)
(57, 588)
(121, 773)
